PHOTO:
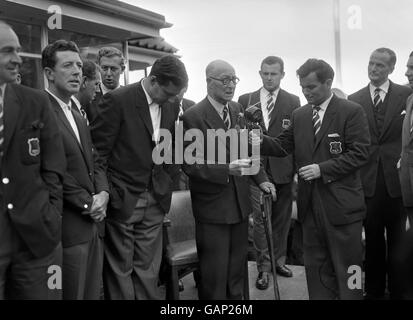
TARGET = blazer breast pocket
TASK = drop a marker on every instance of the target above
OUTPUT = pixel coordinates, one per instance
(335, 145)
(30, 149)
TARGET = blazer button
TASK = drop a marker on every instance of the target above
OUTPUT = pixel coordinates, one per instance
(85, 206)
(10, 206)
(5, 180)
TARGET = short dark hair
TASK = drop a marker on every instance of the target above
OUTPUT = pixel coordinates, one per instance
(390, 52)
(110, 52)
(170, 69)
(89, 69)
(321, 68)
(270, 60)
(49, 53)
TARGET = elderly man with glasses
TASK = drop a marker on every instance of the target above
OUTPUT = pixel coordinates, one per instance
(220, 192)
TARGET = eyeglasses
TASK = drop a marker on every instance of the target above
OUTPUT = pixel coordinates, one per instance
(225, 81)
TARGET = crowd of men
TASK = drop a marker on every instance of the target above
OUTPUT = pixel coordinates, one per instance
(80, 189)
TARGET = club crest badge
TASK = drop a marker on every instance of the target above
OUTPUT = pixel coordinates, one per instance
(286, 123)
(34, 146)
(335, 147)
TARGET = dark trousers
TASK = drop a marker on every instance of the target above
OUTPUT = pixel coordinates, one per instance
(22, 275)
(329, 251)
(133, 253)
(222, 253)
(82, 269)
(280, 224)
(384, 228)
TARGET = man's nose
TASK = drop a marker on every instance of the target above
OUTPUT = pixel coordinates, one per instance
(16, 58)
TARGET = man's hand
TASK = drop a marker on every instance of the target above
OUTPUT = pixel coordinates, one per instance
(240, 167)
(310, 172)
(268, 187)
(100, 202)
(254, 139)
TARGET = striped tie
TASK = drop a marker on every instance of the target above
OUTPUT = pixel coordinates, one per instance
(1, 125)
(225, 117)
(316, 120)
(270, 105)
(376, 99)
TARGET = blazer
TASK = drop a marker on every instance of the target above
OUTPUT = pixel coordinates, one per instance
(186, 104)
(340, 149)
(385, 146)
(406, 162)
(217, 196)
(281, 169)
(33, 165)
(83, 178)
(122, 133)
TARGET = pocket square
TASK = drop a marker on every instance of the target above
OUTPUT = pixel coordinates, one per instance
(403, 112)
(333, 135)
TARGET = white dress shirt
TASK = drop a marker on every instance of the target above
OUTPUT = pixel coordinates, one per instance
(67, 109)
(156, 115)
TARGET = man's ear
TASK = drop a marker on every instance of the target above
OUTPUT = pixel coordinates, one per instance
(329, 83)
(49, 73)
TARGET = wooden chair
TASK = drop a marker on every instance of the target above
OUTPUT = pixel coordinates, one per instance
(180, 256)
(180, 253)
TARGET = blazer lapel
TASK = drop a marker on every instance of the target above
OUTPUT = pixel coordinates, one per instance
(308, 131)
(212, 117)
(391, 110)
(84, 142)
(62, 117)
(327, 119)
(143, 108)
(366, 101)
(11, 109)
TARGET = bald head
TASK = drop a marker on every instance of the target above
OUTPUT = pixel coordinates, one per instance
(218, 72)
(9, 54)
(216, 67)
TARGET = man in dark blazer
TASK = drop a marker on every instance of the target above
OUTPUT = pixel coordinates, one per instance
(384, 103)
(406, 161)
(85, 187)
(277, 106)
(220, 195)
(111, 64)
(32, 167)
(125, 133)
(329, 139)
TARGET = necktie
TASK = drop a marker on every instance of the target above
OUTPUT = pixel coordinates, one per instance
(1, 125)
(270, 105)
(225, 117)
(376, 99)
(181, 112)
(316, 120)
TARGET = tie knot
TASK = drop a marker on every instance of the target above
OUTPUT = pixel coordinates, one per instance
(377, 91)
(316, 108)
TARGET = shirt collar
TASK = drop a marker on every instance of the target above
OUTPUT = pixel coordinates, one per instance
(218, 106)
(77, 103)
(324, 105)
(148, 97)
(106, 90)
(3, 91)
(384, 87)
(62, 104)
(267, 93)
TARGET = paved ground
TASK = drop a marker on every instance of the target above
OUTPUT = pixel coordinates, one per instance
(294, 288)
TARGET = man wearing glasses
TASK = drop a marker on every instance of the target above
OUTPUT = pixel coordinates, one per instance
(220, 192)
(125, 132)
